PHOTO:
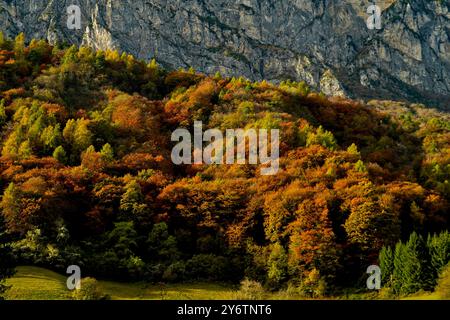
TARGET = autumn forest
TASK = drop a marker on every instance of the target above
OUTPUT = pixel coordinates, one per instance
(86, 179)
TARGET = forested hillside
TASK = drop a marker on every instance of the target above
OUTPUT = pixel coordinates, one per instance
(87, 178)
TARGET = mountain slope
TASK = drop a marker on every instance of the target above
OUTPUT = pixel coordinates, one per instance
(87, 175)
(325, 43)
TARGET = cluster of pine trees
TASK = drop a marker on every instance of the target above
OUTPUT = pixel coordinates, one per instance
(416, 264)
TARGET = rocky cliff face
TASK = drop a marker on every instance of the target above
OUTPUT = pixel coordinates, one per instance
(324, 42)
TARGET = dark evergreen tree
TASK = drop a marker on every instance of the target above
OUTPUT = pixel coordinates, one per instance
(6, 259)
(2, 111)
(386, 260)
(439, 250)
(399, 267)
(416, 266)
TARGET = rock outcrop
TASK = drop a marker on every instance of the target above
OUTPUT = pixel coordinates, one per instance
(325, 42)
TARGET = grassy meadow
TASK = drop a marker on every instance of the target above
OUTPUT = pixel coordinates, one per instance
(34, 283)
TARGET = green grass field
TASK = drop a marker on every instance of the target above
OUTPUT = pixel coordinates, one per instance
(33, 283)
(425, 296)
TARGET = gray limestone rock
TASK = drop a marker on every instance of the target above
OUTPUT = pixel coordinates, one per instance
(324, 42)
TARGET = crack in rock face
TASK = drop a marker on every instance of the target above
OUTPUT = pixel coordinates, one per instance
(325, 43)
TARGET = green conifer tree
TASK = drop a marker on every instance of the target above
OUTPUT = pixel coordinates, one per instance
(60, 155)
(2, 113)
(386, 260)
(24, 151)
(439, 249)
(107, 153)
(6, 258)
(399, 267)
(416, 271)
(19, 46)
